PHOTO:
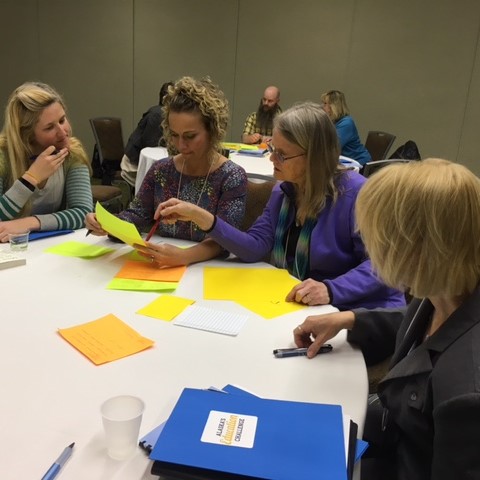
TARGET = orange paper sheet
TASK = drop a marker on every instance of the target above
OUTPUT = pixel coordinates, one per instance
(105, 339)
(147, 271)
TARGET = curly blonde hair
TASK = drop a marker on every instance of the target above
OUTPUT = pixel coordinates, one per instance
(189, 95)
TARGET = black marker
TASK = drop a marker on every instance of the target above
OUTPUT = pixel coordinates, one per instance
(297, 352)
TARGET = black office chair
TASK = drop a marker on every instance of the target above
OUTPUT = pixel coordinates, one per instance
(371, 167)
(378, 144)
(108, 135)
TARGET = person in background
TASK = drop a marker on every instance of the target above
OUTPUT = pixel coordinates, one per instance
(309, 221)
(44, 171)
(149, 133)
(335, 105)
(259, 124)
(421, 224)
(195, 122)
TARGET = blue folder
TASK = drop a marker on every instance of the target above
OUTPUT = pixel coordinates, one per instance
(291, 439)
(46, 234)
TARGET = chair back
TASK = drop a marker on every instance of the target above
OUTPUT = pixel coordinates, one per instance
(371, 167)
(109, 138)
(378, 144)
(258, 194)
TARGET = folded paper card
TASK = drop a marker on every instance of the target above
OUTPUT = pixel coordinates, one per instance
(118, 228)
(105, 339)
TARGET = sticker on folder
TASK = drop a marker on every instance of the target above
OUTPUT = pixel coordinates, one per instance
(230, 429)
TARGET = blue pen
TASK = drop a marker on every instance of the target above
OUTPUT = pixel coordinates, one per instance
(59, 463)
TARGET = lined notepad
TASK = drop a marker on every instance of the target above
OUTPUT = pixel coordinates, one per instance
(211, 320)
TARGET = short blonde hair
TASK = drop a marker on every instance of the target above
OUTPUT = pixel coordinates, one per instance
(420, 223)
(197, 96)
(337, 102)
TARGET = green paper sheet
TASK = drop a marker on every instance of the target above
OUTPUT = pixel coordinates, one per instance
(125, 231)
(80, 250)
(141, 285)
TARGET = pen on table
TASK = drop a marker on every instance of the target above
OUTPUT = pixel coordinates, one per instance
(59, 463)
(152, 230)
(296, 352)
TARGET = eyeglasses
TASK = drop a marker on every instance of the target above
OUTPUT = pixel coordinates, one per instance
(281, 157)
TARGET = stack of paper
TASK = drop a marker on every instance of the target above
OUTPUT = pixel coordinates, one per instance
(145, 276)
(8, 259)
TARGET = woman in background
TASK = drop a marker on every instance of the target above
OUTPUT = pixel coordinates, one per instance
(44, 171)
(335, 105)
(421, 224)
(308, 224)
(194, 125)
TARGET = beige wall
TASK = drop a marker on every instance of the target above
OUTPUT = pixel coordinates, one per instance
(409, 67)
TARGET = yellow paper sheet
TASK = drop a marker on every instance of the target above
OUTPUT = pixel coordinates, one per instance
(78, 249)
(252, 284)
(125, 231)
(270, 310)
(239, 146)
(149, 271)
(141, 285)
(105, 339)
(166, 307)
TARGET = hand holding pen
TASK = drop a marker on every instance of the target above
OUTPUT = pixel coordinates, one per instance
(318, 329)
(93, 226)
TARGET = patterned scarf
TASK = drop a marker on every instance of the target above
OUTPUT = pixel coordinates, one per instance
(300, 265)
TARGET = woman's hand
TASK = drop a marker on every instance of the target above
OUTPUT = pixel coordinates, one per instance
(309, 292)
(162, 254)
(46, 164)
(173, 210)
(93, 226)
(318, 329)
(17, 226)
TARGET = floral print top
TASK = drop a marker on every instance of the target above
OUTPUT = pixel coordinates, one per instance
(223, 193)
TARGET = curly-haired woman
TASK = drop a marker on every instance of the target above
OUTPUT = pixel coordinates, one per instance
(195, 123)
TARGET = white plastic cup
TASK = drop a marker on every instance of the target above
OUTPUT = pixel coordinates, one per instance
(18, 241)
(121, 418)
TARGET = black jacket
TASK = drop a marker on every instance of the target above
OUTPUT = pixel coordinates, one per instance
(432, 391)
(147, 134)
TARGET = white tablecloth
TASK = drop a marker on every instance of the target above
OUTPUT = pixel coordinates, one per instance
(51, 394)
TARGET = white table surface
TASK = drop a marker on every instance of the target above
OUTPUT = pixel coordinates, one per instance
(51, 394)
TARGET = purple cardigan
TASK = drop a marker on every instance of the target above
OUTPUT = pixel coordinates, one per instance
(337, 253)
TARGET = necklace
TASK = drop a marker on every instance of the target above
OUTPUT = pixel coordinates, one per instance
(199, 197)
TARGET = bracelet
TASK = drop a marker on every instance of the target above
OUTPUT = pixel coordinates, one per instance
(25, 182)
(33, 176)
